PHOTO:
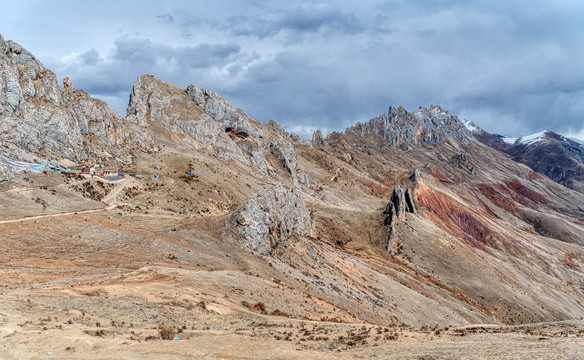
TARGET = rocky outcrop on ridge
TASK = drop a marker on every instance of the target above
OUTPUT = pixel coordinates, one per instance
(425, 126)
(39, 117)
(155, 105)
(401, 201)
(253, 137)
(271, 217)
(205, 120)
(318, 140)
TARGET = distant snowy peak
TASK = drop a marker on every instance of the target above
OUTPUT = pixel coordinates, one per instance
(534, 138)
(528, 139)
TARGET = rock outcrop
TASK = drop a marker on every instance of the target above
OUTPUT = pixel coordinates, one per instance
(253, 137)
(155, 104)
(67, 83)
(271, 217)
(203, 119)
(400, 203)
(318, 140)
(425, 126)
(38, 117)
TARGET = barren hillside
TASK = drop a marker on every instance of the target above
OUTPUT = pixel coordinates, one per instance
(403, 237)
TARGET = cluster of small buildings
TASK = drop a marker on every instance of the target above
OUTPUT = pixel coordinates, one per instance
(87, 169)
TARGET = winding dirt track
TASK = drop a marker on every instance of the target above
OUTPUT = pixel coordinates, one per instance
(109, 207)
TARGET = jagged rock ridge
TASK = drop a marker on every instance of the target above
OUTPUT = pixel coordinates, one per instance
(205, 120)
(425, 126)
(41, 118)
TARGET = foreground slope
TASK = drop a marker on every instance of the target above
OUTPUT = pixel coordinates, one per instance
(277, 242)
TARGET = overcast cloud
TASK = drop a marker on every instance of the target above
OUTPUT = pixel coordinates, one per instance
(512, 67)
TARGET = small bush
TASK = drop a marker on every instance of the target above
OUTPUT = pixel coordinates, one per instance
(461, 332)
(166, 332)
(279, 312)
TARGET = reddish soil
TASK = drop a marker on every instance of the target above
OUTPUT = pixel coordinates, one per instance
(525, 192)
(533, 175)
(496, 197)
(459, 221)
(438, 175)
(485, 207)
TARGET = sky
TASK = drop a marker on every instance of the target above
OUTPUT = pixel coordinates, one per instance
(512, 67)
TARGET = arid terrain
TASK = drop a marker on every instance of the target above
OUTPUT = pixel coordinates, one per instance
(402, 238)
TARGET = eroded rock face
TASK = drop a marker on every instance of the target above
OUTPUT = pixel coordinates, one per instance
(229, 118)
(241, 128)
(271, 217)
(401, 128)
(205, 120)
(401, 202)
(156, 103)
(37, 116)
(318, 140)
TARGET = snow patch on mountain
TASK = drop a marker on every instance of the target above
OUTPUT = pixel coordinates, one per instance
(471, 126)
(510, 140)
(532, 139)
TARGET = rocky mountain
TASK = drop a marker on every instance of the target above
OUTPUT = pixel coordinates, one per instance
(203, 120)
(557, 157)
(401, 128)
(41, 118)
(403, 226)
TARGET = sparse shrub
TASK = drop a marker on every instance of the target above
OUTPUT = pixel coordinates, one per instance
(279, 312)
(460, 331)
(166, 332)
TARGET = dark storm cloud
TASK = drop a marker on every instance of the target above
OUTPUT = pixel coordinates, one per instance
(143, 53)
(131, 57)
(307, 18)
(90, 57)
(510, 66)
